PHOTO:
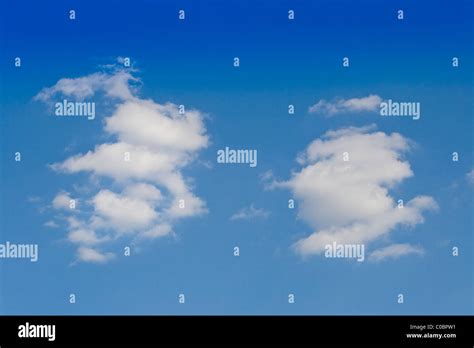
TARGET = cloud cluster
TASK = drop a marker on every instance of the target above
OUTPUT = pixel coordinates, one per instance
(370, 103)
(343, 188)
(148, 144)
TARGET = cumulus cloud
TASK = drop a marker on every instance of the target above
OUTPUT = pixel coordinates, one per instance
(122, 213)
(251, 212)
(343, 188)
(109, 160)
(178, 132)
(147, 146)
(395, 251)
(338, 106)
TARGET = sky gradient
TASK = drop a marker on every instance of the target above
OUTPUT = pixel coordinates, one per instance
(282, 62)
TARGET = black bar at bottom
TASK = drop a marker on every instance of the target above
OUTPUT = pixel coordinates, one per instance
(289, 330)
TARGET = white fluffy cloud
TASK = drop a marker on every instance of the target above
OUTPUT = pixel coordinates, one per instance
(122, 213)
(148, 146)
(178, 132)
(109, 160)
(337, 106)
(343, 188)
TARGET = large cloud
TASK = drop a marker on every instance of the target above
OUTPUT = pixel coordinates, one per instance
(343, 188)
(148, 145)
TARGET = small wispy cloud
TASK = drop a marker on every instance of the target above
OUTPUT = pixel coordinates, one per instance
(34, 199)
(251, 212)
(338, 106)
(63, 201)
(268, 180)
(51, 224)
(470, 177)
(395, 251)
(91, 255)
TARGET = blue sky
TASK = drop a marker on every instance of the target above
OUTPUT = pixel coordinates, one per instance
(282, 62)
